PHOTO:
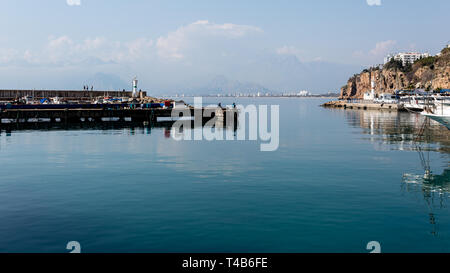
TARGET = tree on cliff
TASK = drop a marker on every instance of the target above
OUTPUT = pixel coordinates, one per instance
(397, 65)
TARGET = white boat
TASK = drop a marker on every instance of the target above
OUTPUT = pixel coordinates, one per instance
(414, 103)
(386, 98)
(56, 100)
(439, 111)
(27, 100)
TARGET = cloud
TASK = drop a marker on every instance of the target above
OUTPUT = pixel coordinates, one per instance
(73, 2)
(382, 48)
(290, 50)
(64, 51)
(7, 55)
(376, 54)
(173, 44)
(199, 40)
(374, 2)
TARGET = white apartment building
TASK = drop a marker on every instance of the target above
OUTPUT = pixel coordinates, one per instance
(406, 58)
(439, 54)
(303, 93)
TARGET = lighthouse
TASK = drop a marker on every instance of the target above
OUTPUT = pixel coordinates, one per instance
(372, 91)
(135, 92)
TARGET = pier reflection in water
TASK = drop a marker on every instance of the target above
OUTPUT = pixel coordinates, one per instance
(113, 127)
(134, 127)
(412, 132)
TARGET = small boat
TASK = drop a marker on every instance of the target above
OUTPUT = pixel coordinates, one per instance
(56, 100)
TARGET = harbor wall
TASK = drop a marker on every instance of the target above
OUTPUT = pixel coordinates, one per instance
(67, 94)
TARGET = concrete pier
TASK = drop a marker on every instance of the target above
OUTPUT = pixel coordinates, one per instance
(136, 115)
(364, 105)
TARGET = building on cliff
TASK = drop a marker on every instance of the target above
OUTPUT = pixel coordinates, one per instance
(406, 58)
(440, 53)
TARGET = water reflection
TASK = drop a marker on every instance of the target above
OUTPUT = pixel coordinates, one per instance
(412, 132)
(103, 126)
(434, 190)
(392, 130)
(431, 184)
(133, 127)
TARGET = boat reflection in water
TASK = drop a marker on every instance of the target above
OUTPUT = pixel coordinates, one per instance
(412, 132)
(435, 190)
(429, 183)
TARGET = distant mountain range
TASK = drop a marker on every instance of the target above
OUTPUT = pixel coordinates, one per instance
(287, 73)
(104, 81)
(222, 85)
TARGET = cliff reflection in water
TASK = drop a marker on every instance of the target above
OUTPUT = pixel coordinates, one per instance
(411, 132)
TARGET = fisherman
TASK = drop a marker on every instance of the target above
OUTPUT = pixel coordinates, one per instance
(92, 88)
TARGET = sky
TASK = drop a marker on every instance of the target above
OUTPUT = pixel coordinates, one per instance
(194, 46)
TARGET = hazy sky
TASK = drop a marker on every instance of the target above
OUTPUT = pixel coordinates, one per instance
(177, 45)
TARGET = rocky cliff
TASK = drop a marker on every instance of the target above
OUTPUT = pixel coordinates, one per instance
(429, 73)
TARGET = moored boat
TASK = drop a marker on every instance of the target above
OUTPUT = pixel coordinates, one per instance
(439, 111)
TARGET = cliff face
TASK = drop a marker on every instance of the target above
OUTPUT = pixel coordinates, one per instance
(430, 74)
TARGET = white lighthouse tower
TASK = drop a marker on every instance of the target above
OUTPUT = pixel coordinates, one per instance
(372, 91)
(370, 96)
(135, 92)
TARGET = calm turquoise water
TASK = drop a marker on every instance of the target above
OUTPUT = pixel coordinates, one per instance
(335, 183)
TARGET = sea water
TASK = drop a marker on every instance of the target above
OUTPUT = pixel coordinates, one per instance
(339, 179)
